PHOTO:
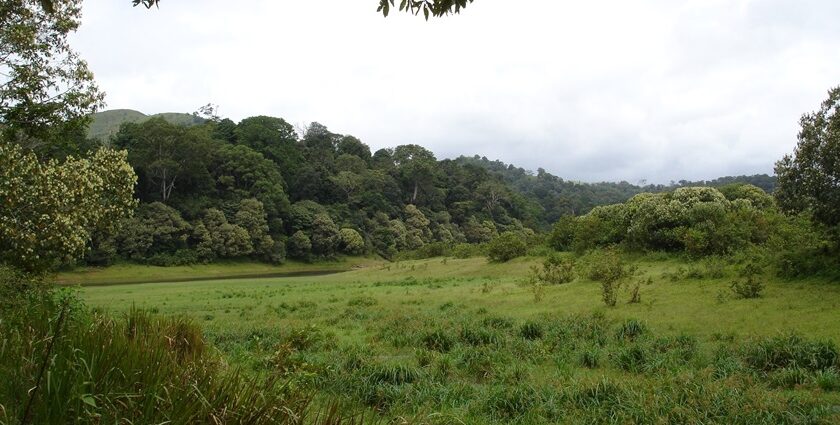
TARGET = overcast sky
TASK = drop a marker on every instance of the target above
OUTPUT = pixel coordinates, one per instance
(589, 90)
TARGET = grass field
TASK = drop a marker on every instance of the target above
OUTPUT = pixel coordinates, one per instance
(464, 341)
(132, 273)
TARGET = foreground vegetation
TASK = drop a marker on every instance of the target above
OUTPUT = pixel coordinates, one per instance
(464, 341)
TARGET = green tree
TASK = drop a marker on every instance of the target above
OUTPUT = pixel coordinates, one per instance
(275, 139)
(416, 167)
(227, 240)
(417, 227)
(325, 236)
(165, 155)
(240, 172)
(299, 246)
(351, 242)
(251, 217)
(810, 178)
(46, 91)
(156, 228)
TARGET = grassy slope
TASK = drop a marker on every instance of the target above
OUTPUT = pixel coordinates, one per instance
(133, 273)
(687, 305)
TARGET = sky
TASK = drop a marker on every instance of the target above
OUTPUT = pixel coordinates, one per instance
(603, 90)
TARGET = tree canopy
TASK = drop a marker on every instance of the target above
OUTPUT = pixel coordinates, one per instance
(810, 178)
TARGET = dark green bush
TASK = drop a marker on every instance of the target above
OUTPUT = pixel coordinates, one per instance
(506, 247)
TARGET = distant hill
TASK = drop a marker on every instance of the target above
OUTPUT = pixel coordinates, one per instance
(106, 123)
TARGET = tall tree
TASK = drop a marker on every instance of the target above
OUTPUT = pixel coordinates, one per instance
(164, 155)
(46, 90)
(810, 178)
(416, 166)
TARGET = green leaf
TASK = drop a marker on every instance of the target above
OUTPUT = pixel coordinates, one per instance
(89, 400)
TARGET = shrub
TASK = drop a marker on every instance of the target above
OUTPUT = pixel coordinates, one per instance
(563, 233)
(609, 292)
(607, 266)
(751, 283)
(466, 250)
(506, 247)
(555, 270)
(299, 246)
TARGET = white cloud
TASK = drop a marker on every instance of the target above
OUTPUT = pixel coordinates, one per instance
(608, 90)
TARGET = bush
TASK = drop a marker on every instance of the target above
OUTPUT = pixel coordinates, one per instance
(555, 270)
(606, 265)
(506, 247)
(751, 283)
(563, 233)
(466, 250)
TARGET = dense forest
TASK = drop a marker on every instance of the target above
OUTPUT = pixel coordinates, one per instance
(211, 189)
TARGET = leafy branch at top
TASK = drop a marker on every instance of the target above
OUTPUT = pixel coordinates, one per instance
(434, 8)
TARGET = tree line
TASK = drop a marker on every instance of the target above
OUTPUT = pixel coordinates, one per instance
(264, 190)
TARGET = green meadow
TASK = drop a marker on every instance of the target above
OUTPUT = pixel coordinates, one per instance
(447, 340)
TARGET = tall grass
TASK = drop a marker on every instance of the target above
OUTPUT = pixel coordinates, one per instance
(138, 368)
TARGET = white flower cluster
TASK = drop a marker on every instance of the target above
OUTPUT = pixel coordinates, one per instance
(48, 210)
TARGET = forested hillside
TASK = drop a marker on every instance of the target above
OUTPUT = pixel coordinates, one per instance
(106, 124)
(212, 189)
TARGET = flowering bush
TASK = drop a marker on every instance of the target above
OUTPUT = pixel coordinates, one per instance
(49, 209)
